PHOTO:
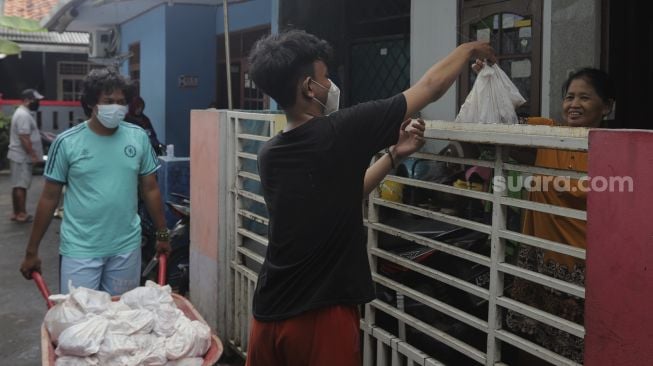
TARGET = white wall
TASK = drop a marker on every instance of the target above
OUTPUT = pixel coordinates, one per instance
(433, 26)
(433, 34)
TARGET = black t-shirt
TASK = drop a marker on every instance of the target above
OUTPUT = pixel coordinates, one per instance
(312, 179)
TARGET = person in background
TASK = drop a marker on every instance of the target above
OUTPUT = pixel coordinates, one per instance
(588, 98)
(102, 162)
(136, 116)
(316, 270)
(25, 149)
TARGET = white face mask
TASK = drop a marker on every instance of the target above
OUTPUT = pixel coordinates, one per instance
(333, 98)
(110, 115)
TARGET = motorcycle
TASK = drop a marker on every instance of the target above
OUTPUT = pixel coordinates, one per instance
(472, 273)
(178, 259)
(436, 259)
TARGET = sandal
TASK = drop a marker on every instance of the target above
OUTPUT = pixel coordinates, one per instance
(24, 220)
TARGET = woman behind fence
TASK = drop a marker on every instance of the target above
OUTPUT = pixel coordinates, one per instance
(588, 97)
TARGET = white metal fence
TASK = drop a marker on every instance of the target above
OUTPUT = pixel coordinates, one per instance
(247, 218)
(52, 118)
(417, 318)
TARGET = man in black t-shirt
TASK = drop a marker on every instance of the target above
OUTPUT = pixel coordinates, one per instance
(314, 175)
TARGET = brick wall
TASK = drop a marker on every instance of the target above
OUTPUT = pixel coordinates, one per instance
(31, 9)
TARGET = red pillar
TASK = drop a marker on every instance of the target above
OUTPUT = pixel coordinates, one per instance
(619, 279)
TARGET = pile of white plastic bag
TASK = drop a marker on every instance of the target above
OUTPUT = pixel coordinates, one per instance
(143, 328)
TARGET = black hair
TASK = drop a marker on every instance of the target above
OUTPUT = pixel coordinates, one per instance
(279, 61)
(104, 80)
(599, 80)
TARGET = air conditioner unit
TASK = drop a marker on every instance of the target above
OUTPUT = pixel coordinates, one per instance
(99, 43)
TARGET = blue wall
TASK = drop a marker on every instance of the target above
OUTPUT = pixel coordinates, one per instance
(149, 29)
(181, 40)
(191, 50)
(245, 15)
(175, 40)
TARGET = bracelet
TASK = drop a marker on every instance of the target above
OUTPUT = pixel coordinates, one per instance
(162, 235)
(392, 159)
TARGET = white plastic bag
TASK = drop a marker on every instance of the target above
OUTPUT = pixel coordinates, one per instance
(128, 322)
(83, 339)
(151, 350)
(195, 361)
(76, 361)
(113, 308)
(165, 319)
(191, 339)
(90, 301)
(117, 350)
(493, 98)
(149, 297)
(61, 316)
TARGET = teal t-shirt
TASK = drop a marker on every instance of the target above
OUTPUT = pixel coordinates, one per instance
(101, 176)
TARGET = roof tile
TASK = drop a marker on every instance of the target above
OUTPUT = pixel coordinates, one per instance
(30, 9)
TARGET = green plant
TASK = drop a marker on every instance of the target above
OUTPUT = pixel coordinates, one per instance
(5, 125)
(8, 47)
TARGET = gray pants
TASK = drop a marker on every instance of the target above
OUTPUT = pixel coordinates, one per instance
(21, 174)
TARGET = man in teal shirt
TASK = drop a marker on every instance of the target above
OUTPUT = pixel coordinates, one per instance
(102, 162)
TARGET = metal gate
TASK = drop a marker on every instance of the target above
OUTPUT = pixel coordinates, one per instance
(393, 333)
(247, 218)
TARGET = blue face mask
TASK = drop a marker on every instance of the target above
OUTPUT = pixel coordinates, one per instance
(110, 115)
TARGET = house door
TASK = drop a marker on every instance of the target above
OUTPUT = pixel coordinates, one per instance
(514, 28)
(244, 93)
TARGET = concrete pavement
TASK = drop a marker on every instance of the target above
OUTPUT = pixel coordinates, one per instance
(21, 306)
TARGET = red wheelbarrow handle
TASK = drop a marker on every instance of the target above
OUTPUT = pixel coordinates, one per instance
(43, 288)
(163, 266)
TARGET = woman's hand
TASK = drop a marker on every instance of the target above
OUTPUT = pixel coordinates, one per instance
(411, 138)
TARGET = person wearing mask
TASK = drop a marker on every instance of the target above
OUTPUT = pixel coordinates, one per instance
(316, 271)
(25, 149)
(136, 116)
(102, 162)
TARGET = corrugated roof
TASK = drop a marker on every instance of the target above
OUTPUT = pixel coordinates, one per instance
(65, 38)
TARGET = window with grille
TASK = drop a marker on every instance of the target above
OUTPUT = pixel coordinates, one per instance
(253, 97)
(70, 76)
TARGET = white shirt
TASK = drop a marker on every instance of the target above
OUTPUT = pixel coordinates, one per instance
(22, 123)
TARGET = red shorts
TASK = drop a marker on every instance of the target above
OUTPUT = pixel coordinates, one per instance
(323, 337)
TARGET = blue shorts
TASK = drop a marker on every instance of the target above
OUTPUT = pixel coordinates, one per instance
(115, 274)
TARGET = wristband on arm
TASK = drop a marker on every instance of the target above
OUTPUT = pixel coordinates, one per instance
(392, 159)
(162, 235)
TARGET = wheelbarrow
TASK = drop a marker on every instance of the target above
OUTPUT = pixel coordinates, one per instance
(48, 357)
